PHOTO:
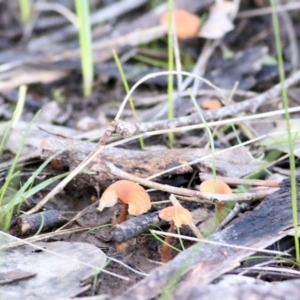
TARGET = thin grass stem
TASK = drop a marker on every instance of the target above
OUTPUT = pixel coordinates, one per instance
(85, 40)
(126, 87)
(170, 67)
(288, 125)
(25, 10)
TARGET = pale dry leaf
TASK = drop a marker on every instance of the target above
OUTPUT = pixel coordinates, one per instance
(279, 141)
(58, 272)
(218, 22)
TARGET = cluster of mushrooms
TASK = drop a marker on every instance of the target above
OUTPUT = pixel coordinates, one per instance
(136, 201)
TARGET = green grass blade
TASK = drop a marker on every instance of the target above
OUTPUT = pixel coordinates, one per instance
(151, 61)
(170, 68)
(126, 87)
(288, 125)
(20, 105)
(219, 210)
(85, 39)
(210, 136)
(5, 215)
(25, 10)
(43, 185)
(16, 115)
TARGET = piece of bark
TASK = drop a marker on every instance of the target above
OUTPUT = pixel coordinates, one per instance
(204, 262)
(233, 163)
(286, 290)
(49, 219)
(134, 227)
(14, 275)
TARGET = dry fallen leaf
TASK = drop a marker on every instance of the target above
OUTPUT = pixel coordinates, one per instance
(218, 22)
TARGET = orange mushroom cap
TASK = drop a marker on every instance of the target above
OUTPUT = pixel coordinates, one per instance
(178, 214)
(128, 192)
(186, 23)
(217, 186)
(211, 104)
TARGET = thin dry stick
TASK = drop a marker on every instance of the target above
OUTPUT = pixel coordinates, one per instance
(199, 69)
(198, 196)
(164, 73)
(127, 129)
(209, 156)
(66, 180)
(268, 10)
(79, 215)
(188, 238)
(238, 207)
(236, 181)
(41, 237)
(290, 30)
(147, 101)
(192, 226)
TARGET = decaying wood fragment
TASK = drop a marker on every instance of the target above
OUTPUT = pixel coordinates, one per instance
(146, 163)
(31, 224)
(14, 276)
(204, 262)
(286, 290)
(134, 227)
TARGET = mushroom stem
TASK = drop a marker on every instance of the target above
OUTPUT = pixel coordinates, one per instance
(219, 212)
(123, 212)
(122, 247)
(165, 250)
(114, 220)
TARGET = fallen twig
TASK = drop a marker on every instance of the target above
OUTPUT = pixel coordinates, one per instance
(42, 221)
(236, 181)
(127, 129)
(198, 196)
(135, 226)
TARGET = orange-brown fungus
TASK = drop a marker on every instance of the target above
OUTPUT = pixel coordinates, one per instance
(186, 23)
(211, 104)
(217, 186)
(129, 193)
(178, 214)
